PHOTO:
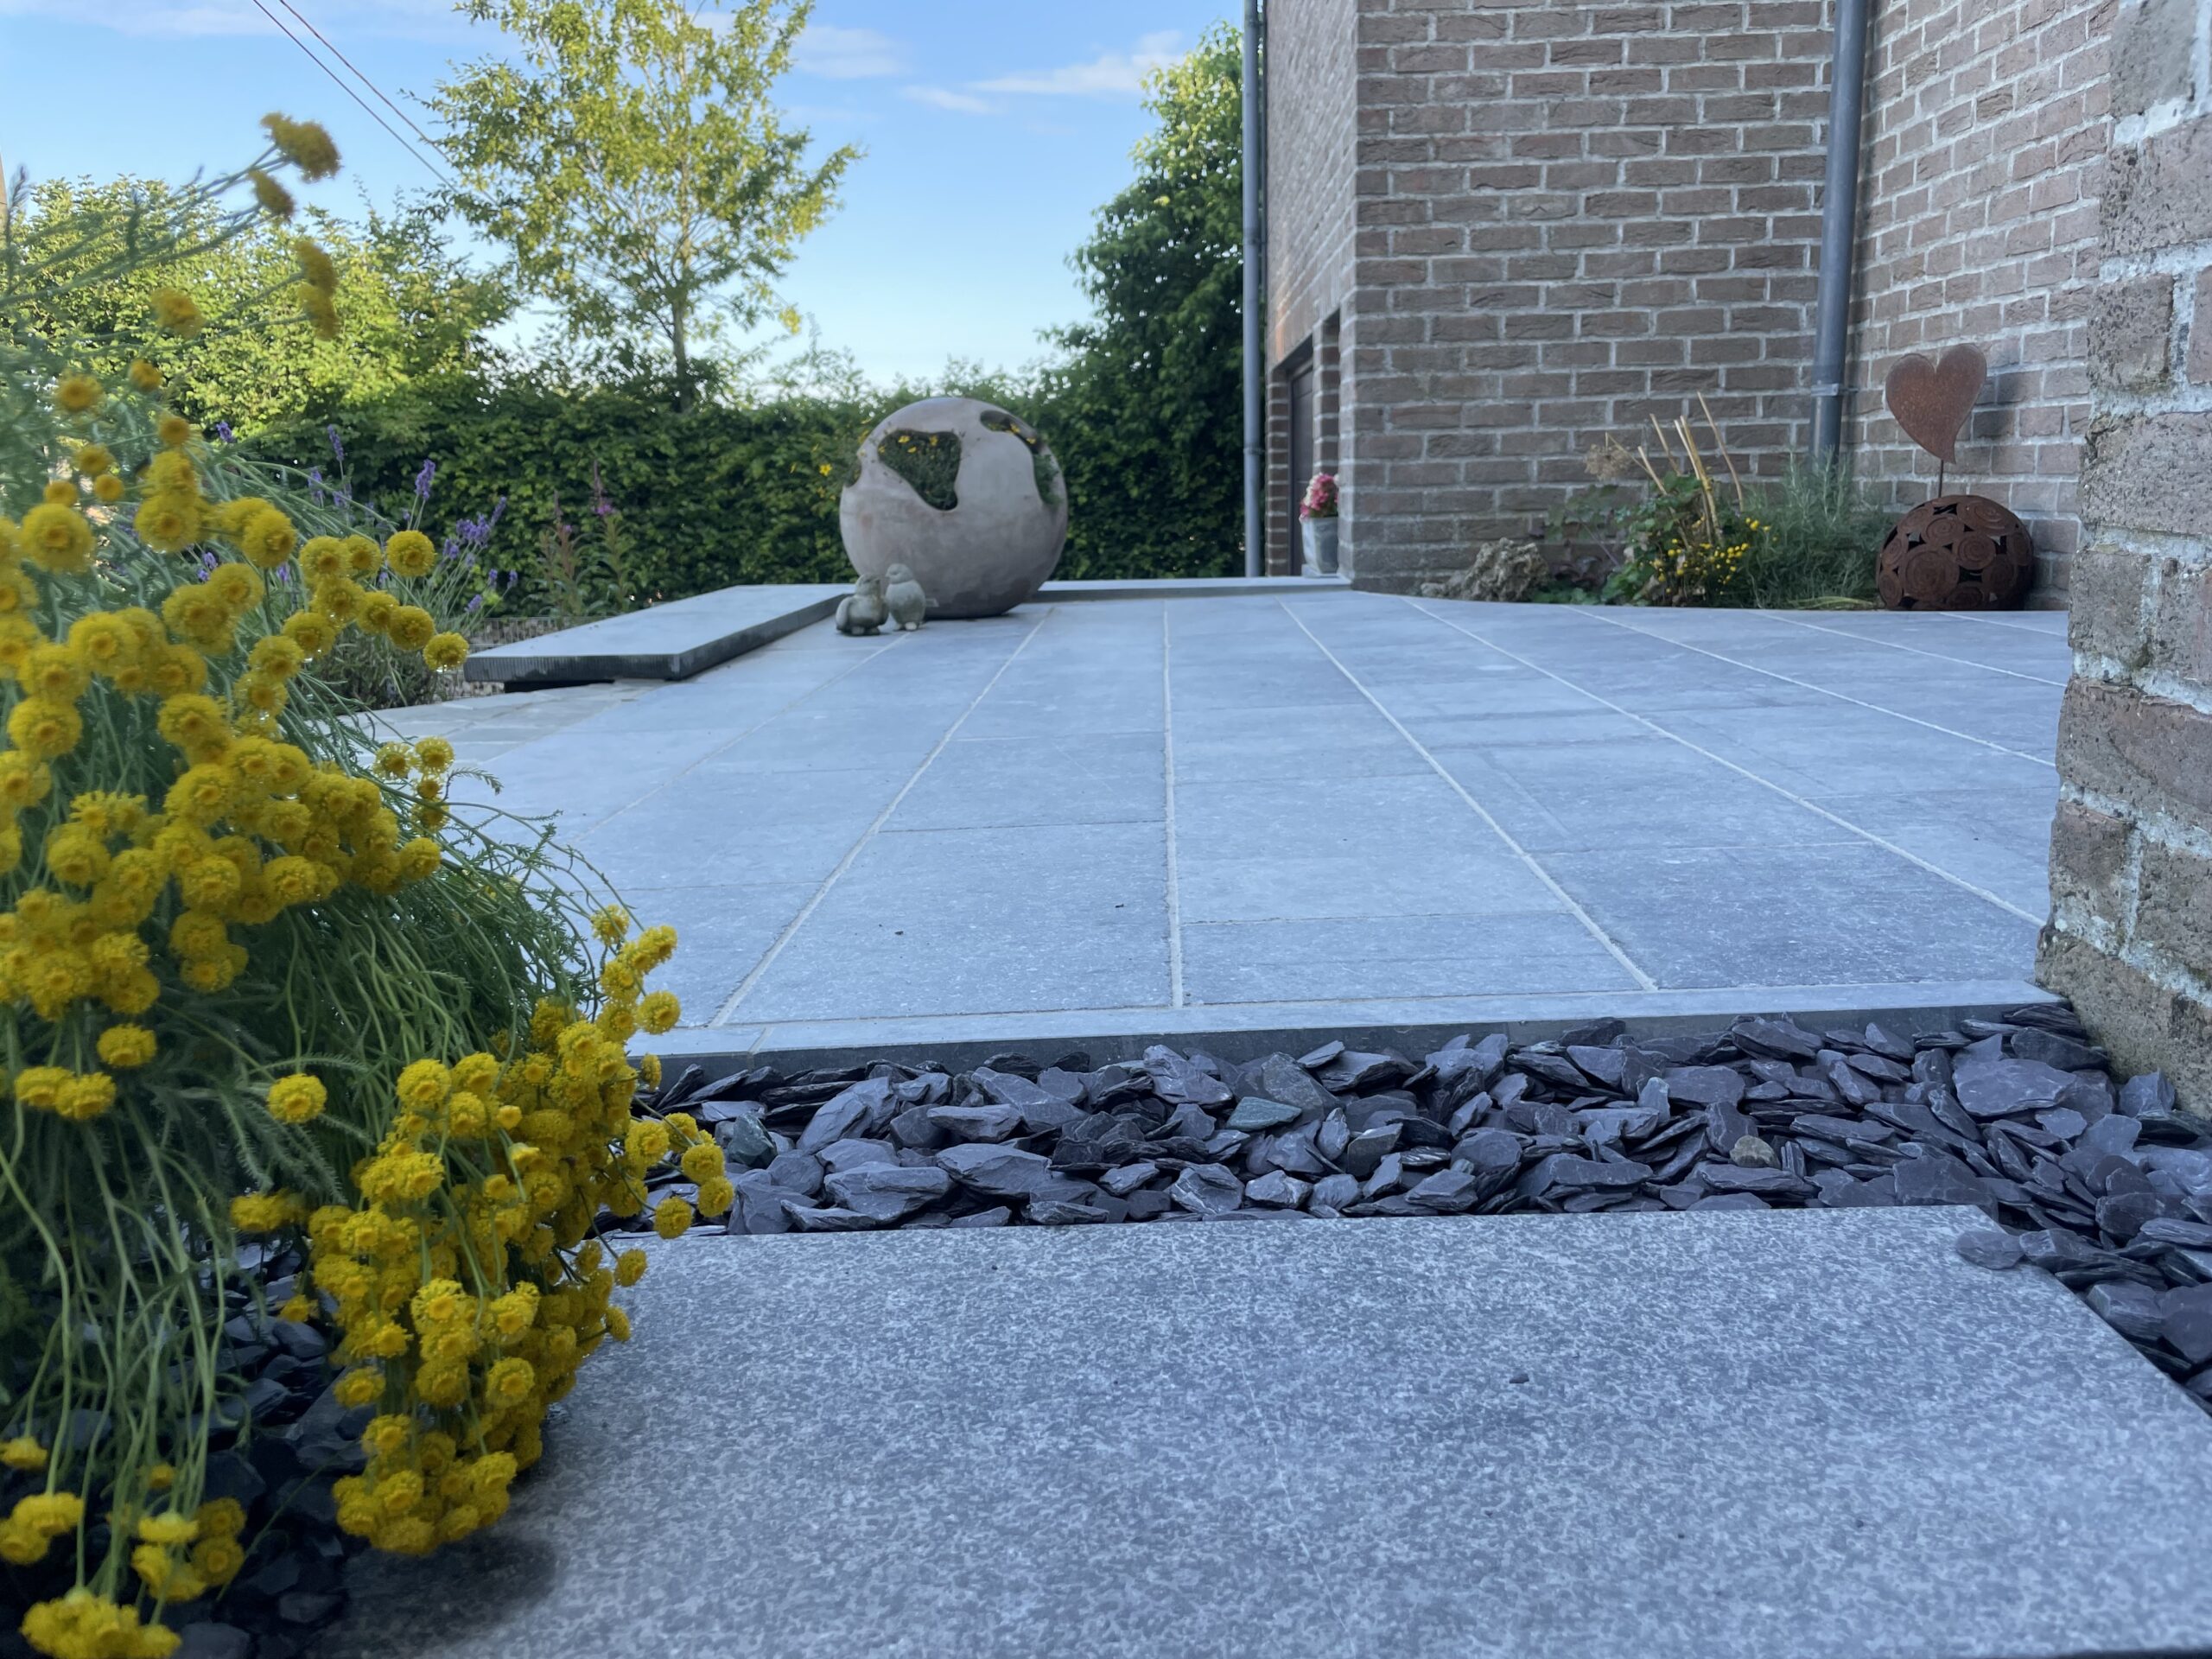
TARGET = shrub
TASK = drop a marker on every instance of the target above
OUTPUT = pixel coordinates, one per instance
(1808, 539)
(265, 984)
(1822, 535)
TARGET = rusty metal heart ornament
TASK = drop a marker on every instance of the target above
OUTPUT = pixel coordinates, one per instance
(1931, 401)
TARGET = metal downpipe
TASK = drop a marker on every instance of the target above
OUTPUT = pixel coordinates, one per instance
(1838, 228)
(1255, 367)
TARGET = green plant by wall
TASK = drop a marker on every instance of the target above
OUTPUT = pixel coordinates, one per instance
(1695, 536)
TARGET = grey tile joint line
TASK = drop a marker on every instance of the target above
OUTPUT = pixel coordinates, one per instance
(1589, 923)
(728, 1010)
(2009, 627)
(1892, 644)
(776, 713)
(1167, 767)
(1788, 679)
(1765, 782)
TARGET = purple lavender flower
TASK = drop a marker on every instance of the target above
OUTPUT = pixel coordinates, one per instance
(336, 447)
(475, 603)
(423, 480)
(223, 432)
(600, 504)
(315, 485)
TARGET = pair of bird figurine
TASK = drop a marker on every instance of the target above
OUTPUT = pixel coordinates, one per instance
(894, 597)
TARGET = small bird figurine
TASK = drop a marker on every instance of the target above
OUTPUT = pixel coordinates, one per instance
(862, 610)
(909, 604)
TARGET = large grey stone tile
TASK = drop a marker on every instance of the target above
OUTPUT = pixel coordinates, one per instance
(1800, 914)
(662, 642)
(1278, 882)
(1416, 817)
(1345, 959)
(985, 782)
(1062, 916)
(1645, 791)
(722, 932)
(2006, 651)
(719, 828)
(1733, 1436)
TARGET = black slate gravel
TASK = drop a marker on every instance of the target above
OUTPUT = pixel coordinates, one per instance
(280, 1445)
(2101, 1181)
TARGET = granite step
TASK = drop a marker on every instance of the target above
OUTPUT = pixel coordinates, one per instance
(664, 642)
(1725, 1435)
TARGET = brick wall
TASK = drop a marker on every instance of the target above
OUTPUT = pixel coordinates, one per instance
(2130, 937)
(1571, 217)
(1312, 123)
(1986, 133)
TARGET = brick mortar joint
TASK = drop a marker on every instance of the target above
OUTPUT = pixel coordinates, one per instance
(2101, 669)
(2134, 405)
(2190, 552)
(2156, 827)
(2175, 259)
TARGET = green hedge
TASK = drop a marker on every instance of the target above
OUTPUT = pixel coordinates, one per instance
(748, 493)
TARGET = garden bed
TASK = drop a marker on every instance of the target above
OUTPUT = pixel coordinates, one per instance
(2101, 1181)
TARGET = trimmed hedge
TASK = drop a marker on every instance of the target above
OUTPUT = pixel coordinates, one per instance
(747, 493)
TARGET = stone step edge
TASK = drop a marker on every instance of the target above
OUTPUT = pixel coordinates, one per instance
(970, 1040)
(545, 660)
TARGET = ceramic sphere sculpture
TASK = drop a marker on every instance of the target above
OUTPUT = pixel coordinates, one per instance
(964, 494)
(1956, 553)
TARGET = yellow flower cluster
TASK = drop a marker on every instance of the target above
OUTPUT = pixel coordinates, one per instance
(304, 144)
(251, 826)
(181, 1557)
(84, 1624)
(462, 1286)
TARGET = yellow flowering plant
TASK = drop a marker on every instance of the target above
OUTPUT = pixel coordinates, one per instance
(1691, 542)
(270, 995)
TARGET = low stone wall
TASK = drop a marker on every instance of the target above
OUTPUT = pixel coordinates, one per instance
(2130, 937)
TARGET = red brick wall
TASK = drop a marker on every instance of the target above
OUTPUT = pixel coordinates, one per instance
(1986, 132)
(2130, 937)
(1573, 217)
(1311, 126)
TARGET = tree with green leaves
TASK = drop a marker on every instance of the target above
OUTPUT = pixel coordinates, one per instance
(410, 313)
(636, 169)
(1145, 414)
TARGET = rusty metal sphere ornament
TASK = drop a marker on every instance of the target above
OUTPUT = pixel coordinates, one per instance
(1956, 553)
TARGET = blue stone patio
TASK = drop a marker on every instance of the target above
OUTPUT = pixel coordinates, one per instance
(1150, 818)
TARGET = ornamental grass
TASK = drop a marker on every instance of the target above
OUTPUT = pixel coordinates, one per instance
(268, 989)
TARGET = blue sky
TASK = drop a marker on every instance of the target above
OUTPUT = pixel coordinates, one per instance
(994, 129)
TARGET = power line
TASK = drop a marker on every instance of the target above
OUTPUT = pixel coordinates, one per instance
(349, 92)
(357, 75)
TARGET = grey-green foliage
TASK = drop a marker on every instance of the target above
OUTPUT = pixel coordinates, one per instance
(1822, 533)
(930, 461)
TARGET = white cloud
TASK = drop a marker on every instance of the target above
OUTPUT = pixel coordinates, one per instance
(847, 54)
(1111, 75)
(944, 97)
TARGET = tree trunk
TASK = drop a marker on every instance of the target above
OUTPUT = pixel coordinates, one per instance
(675, 335)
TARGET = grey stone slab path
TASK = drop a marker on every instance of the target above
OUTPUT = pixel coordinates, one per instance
(1818, 1435)
(1150, 817)
(664, 642)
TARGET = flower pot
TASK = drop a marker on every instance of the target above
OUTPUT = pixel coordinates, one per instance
(1320, 538)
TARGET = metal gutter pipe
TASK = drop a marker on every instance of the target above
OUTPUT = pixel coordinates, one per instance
(1839, 226)
(1255, 367)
